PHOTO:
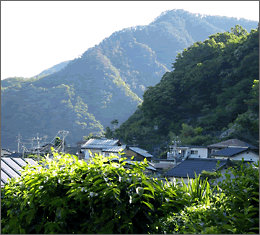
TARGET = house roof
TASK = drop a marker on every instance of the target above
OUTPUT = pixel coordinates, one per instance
(189, 166)
(12, 167)
(193, 146)
(235, 143)
(5, 152)
(162, 165)
(114, 149)
(229, 152)
(150, 167)
(15, 155)
(99, 143)
(141, 151)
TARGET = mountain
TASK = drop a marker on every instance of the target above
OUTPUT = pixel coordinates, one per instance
(107, 82)
(54, 68)
(214, 87)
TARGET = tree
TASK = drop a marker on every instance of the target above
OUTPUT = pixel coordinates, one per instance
(238, 30)
(115, 123)
(88, 137)
(57, 141)
(109, 133)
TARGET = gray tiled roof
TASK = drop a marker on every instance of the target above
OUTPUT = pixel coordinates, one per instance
(141, 151)
(229, 152)
(189, 166)
(12, 167)
(232, 143)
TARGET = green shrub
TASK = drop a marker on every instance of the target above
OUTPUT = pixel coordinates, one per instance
(67, 195)
(231, 208)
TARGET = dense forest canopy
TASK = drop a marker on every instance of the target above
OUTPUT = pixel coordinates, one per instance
(214, 86)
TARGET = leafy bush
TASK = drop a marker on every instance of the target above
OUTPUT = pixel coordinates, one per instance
(232, 208)
(67, 195)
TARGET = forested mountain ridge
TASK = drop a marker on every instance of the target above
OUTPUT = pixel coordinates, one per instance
(214, 86)
(54, 68)
(107, 82)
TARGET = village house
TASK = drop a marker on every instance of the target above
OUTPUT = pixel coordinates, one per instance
(184, 151)
(138, 153)
(231, 143)
(236, 154)
(103, 146)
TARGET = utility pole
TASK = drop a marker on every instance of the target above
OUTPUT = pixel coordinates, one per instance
(23, 149)
(38, 146)
(19, 136)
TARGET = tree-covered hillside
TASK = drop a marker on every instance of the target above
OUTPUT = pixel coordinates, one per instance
(213, 87)
(109, 79)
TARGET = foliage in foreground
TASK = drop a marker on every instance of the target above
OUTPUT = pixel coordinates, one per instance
(71, 196)
(67, 195)
(233, 210)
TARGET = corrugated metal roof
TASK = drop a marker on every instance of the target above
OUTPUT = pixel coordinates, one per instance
(95, 146)
(141, 151)
(229, 152)
(114, 149)
(189, 166)
(100, 143)
(12, 167)
(231, 143)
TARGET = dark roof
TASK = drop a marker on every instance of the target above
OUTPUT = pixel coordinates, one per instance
(189, 166)
(231, 143)
(71, 150)
(15, 155)
(141, 151)
(229, 152)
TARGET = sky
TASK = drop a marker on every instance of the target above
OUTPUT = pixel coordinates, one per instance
(36, 35)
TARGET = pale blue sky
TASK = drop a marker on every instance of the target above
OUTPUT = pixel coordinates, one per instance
(39, 34)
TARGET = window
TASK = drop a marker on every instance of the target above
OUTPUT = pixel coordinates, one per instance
(194, 152)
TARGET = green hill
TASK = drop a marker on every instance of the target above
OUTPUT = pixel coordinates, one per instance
(209, 90)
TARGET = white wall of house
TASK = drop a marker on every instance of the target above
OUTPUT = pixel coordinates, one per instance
(92, 151)
(86, 154)
(202, 152)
